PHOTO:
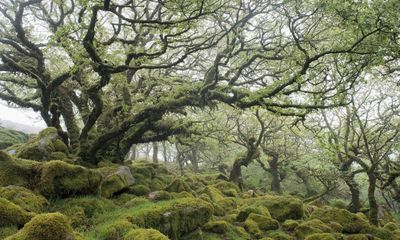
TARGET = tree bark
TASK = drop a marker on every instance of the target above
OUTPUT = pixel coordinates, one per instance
(355, 204)
(373, 205)
(194, 160)
(236, 172)
(164, 146)
(155, 152)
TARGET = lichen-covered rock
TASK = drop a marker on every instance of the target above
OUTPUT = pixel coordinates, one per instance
(321, 236)
(24, 198)
(310, 227)
(145, 234)
(47, 145)
(352, 223)
(174, 217)
(219, 227)
(58, 178)
(49, 226)
(280, 207)
(12, 214)
(120, 179)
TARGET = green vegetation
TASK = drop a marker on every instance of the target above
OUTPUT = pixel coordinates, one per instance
(201, 119)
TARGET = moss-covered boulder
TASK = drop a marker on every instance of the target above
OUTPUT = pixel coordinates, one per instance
(352, 223)
(279, 235)
(116, 181)
(310, 227)
(47, 145)
(178, 185)
(113, 230)
(224, 206)
(145, 234)
(391, 226)
(245, 211)
(358, 237)
(160, 195)
(12, 214)
(229, 189)
(219, 227)
(49, 226)
(290, 224)
(321, 236)
(7, 231)
(24, 198)
(173, 218)
(213, 193)
(280, 207)
(139, 190)
(264, 223)
(61, 179)
(16, 171)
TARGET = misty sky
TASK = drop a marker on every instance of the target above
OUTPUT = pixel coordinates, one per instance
(23, 116)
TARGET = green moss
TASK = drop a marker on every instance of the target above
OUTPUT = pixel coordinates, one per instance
(112, 230)
(213, 193)
(9, 137)
(264, 223)
(47, 226)
(24, 198)
(156, 185)
(7, 231)
(252, 228)
(290, 225)
(134, 202)
(139, 190)
(178, 185)
(16, 171)
(321, 236)
(357, 237)
(396, 235)
(278, 235)
(352, 223)
(174, 217)
(227, 188)
(12, 214)
(145, 234)
(58, 178)
(219, 227)
(378, 232)
(42, 146)
(391, 226)
(111, 185)
(280, 207)
(310, 227)
(224, 206)
(81, 210)
(160, 195)
(246, 210)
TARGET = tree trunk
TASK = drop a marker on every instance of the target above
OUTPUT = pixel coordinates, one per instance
(274, 170)
(310, 191)
(355, 204)
(373, 205)
(155, 152)
(133, 152)
(165, 156)
(236, 172)
(194, 160)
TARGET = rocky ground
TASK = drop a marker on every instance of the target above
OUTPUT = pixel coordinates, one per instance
(45, 195)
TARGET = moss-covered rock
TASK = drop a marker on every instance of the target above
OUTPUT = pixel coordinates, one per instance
(113, 230)
(321, 236)
(358, 237)
(219, 227)
(378, 232)
(252, 228)
(12, 214)
(245, 211)
(263, 222)
(279, 235)
(391, 226)
(352, 223)
(60, 179)
(139, 190)
(280, 207)
(229, 189)
(116, 181)
(290, 225)
(134, 202)
(178, 185)
(7, 231)
(49, 226)
(145, 234)
(43, 146)
(310, 227)
(16, 171)
(160, 195)
(174, 217)
(24, 198)
(224, 206)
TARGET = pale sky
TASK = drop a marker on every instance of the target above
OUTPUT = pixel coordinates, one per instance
(22, 116)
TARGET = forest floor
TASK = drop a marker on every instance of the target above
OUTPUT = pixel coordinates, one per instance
(57, 199)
